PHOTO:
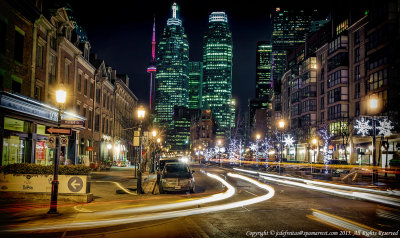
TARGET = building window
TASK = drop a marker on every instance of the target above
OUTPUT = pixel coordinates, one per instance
(98, 95)
(85, 87)
(66, 73)
(53, 42)
(357, 55)
(19, 45)
(338, 111)
(38, 93)
(52, 69)
(377, 79)
(90, 120)
(357, 90)
(97, 122)
(357, 75)
(84, 114)
(322, 102)
(337, 77)
(79, 82)
(356, 36)
(91, 90)
(338, 94)
(322, 88)
(357, 109)
(16, 84)
(39, 56)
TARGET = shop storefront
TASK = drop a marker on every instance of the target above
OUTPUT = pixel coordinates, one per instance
(120, 154)
(23, 136)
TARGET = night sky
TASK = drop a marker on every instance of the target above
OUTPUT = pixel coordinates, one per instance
(120, 33)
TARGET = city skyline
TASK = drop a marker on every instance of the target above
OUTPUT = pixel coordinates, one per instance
(124, 40)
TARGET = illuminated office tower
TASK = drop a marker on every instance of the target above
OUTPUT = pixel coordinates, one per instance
(172, 69)
(263, 70)
(195, 84)
(288, 30)
(217, 71)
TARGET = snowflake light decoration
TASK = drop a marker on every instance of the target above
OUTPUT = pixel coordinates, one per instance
(253, 146)
(363, 126)
(288, 141)
(385, 127)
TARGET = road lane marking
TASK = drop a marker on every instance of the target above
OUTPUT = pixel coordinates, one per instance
(160, 215)
(117, 184)
(255, 195)
(342, 223)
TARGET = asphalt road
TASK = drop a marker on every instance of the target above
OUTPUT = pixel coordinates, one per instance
(289, 213)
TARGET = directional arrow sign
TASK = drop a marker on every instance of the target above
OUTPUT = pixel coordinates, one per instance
(57, 130)
(75, 184)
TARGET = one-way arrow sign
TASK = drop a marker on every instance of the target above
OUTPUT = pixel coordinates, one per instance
(59, 131)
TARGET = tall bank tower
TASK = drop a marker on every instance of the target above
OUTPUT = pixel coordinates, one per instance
(172, 69)
(217, 71)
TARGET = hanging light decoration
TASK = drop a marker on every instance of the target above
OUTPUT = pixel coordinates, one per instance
(363, 126)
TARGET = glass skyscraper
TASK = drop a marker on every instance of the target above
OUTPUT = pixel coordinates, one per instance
(288, 29)
(217, 71)
(172, 69)
(195, 84)
(263, 70)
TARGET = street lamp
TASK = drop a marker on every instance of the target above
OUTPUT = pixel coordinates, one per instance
(258, 136)
(281, 125)
(141, 114)
(219, 143)
(373, 106)
(61, 96)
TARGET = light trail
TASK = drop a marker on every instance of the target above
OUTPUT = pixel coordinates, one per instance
(344, 224)
(348, 194)
(216, 197)
(161, 215)
(307, 181)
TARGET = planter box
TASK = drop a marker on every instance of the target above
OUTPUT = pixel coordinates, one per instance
(39, 183)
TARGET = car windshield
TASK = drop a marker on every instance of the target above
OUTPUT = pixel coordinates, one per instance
(176, 171)
(163, 162)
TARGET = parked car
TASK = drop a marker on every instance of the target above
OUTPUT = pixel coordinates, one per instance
(166, 160)
(176, 176)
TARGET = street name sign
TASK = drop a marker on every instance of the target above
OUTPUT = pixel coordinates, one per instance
(58, 130)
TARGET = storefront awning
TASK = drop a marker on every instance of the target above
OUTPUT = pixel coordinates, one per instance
(22, 104)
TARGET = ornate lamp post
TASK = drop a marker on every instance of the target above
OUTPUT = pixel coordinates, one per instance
(60, 98)
(258, 137)
(141, 114)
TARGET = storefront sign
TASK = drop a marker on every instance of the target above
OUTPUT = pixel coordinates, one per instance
(89, 148)
(59, 131)
(72, 122)
(40, 150)
(52, 142)
(64, 141)
(42, 183)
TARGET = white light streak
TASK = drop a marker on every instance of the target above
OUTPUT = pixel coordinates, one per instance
(161, 215)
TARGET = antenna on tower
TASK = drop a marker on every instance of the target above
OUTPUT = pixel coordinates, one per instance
(151, 69)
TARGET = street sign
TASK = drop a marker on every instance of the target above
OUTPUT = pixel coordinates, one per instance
(72, 122)
(75, 184)
(89, 148)
(58, 130)
(64, 141)
(52, 142)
